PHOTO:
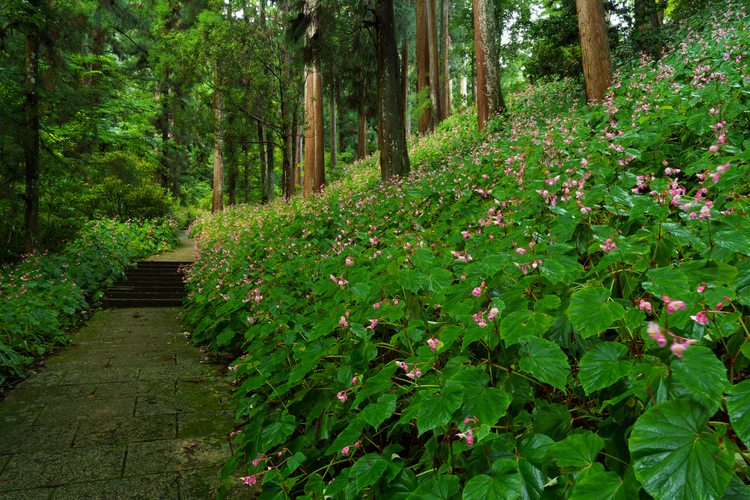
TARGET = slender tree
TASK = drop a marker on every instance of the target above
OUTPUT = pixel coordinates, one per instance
(332, 116)
(32, 131)
(394, 157)
(488, 92)
(217, 201)
(445, 77)
(423, 66)
(314, 133)
(597, 72)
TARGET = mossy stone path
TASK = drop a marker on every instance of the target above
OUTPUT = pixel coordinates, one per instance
(131, 410)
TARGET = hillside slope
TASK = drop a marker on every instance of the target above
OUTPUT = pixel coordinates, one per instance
(553, 309)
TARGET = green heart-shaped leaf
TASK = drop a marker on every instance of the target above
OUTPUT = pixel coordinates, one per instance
(676, 457)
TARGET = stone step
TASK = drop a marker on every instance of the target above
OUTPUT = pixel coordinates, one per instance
(108, 303)
(148, 284)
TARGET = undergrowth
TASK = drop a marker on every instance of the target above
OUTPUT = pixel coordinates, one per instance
(554, 309)
(43, 296)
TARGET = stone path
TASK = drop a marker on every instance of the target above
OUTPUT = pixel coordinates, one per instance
(131, 410)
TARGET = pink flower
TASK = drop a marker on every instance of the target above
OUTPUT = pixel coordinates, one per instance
(476, 292)
(674, 305)
(701, 288)
(701, 318)
(468, 436)
(723, 168)
(343, 322)
(415, 373)
(345, 450)
(402, 365)
(520, 250)
(376, 305)
(373, 324)
(678, 348)
(645, 305)
(395, 302)
(342, 396)
(713, 149)
(654, 330)
(354, 380)
(249, 480)
(433, 343)
(493, 314)
(349, 262)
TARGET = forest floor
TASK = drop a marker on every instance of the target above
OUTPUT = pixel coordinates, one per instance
(132, 409)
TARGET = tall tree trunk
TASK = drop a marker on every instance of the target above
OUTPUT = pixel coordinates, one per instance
(31, 240)
(362, 122)
(473, 79)
(270, 166)
(300, 151)
(426, 119)
(246, 165)
(332, 114)
(361, 131)
(436, 106)
(262, 157)
(445, 76)
(597, 72)
(314, 134)
(405, 82)
(339, 107)
(394, 157)
(217, 201)
(231, 170)
(489, 95)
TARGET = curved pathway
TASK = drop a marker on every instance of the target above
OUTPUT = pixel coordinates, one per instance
(132, 409)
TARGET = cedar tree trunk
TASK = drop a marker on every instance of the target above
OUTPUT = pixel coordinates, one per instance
(394, 157)
(597, 72)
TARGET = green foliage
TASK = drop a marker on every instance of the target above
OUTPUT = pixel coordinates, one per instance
(554, 309)
(43, 296)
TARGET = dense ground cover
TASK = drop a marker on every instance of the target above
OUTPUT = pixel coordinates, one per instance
(553, 310)
(43, 296)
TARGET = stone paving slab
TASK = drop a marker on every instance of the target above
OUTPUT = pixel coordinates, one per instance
(131, 410)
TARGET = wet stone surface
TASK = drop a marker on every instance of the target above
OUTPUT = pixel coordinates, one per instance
(130, 410)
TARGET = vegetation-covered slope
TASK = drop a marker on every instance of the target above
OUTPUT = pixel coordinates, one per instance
(43, 296)
(554, 309)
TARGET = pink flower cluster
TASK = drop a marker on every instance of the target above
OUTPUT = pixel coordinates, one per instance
(673, 305)
(249, 480)
(433, 343)
(468, 434)
(679, 344)
(609, 244)
(345, 449)
(414, 373)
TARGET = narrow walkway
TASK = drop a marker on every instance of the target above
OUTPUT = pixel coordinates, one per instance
(131, 410)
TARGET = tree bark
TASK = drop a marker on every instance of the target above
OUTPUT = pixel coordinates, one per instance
(332, 115)
(262, 158)
(31, 216)
(217, 201)
(314, 134)
(436, 108)
(270, 167)
(445, 77)
(489, 95)
(405, 82)
(423, 66)
(231, 170)
(362, 121)
(597, 72)
(394, 157)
